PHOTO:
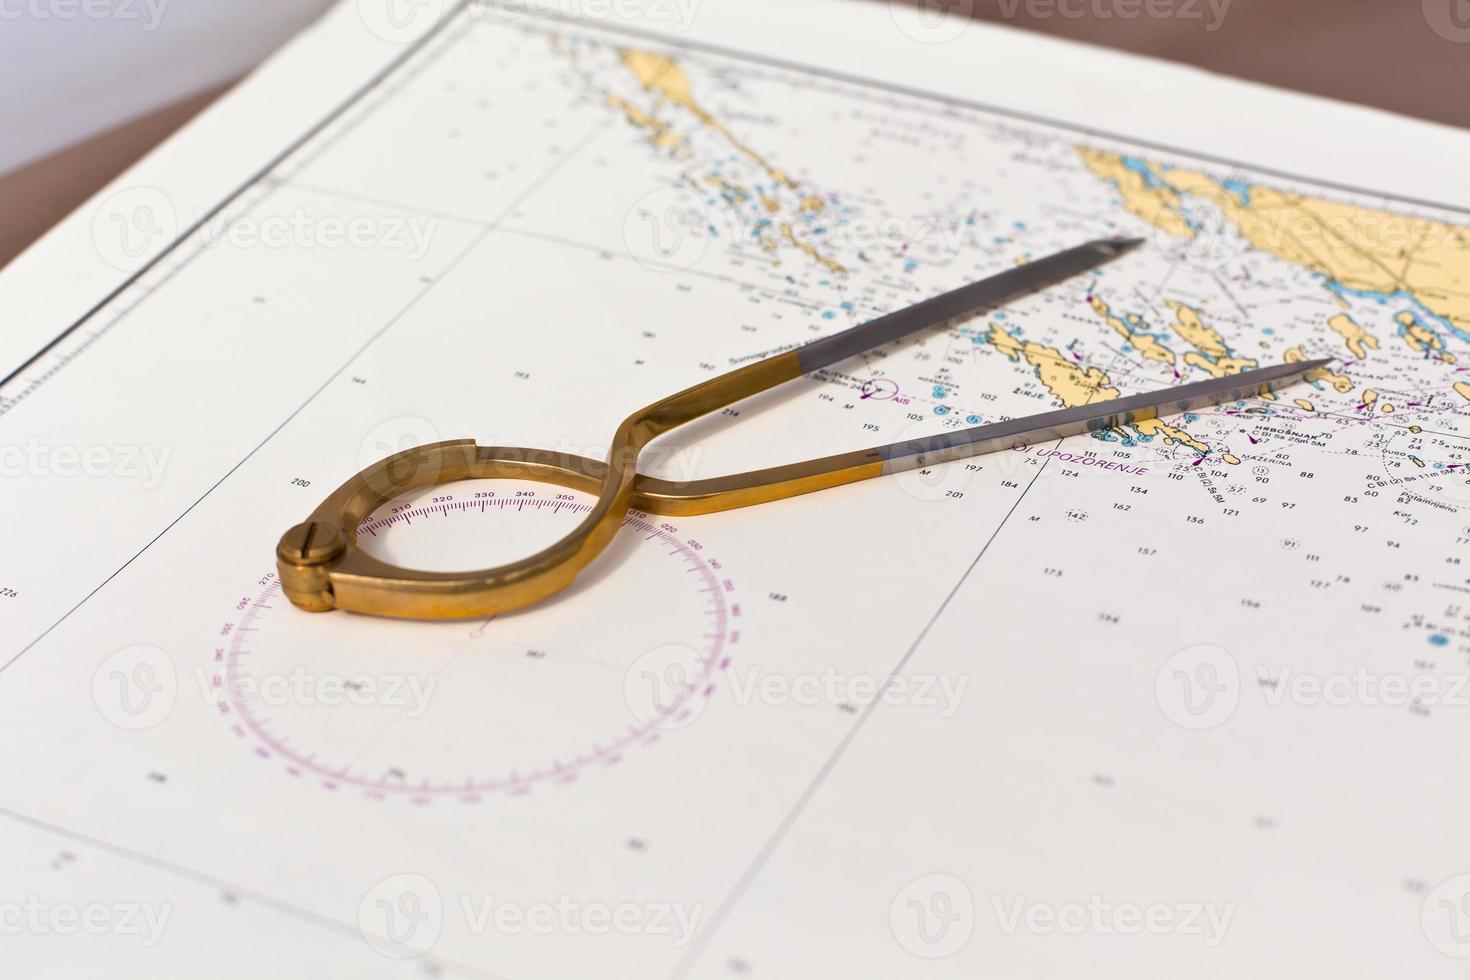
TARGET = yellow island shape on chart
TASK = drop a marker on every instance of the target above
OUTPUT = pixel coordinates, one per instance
(665, 77)
(1203, 338)
(1363, 250)
(1341, 382)
(661, 134)
(1076, 385)
(1131, 330)
(662, 74)
(1360, 250)
(1421, 339)
(1066, 379)
(1355, 337)
(1211, 352)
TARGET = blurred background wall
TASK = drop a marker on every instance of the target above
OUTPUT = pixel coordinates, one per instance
(83, 96)
(1407, 56)
(89, 86)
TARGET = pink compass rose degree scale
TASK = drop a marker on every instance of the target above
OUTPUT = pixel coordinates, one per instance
(428, 711)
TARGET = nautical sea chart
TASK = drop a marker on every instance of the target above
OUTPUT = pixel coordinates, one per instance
(1357, 478)
(1320, 527)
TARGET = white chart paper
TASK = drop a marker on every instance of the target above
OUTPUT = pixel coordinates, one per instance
(1183, 699)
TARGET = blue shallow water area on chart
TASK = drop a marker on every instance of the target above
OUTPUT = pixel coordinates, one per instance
(1240, 189)
(1401, 296)
(1145, 170)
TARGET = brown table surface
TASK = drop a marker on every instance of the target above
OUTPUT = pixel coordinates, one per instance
(1383, 53)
